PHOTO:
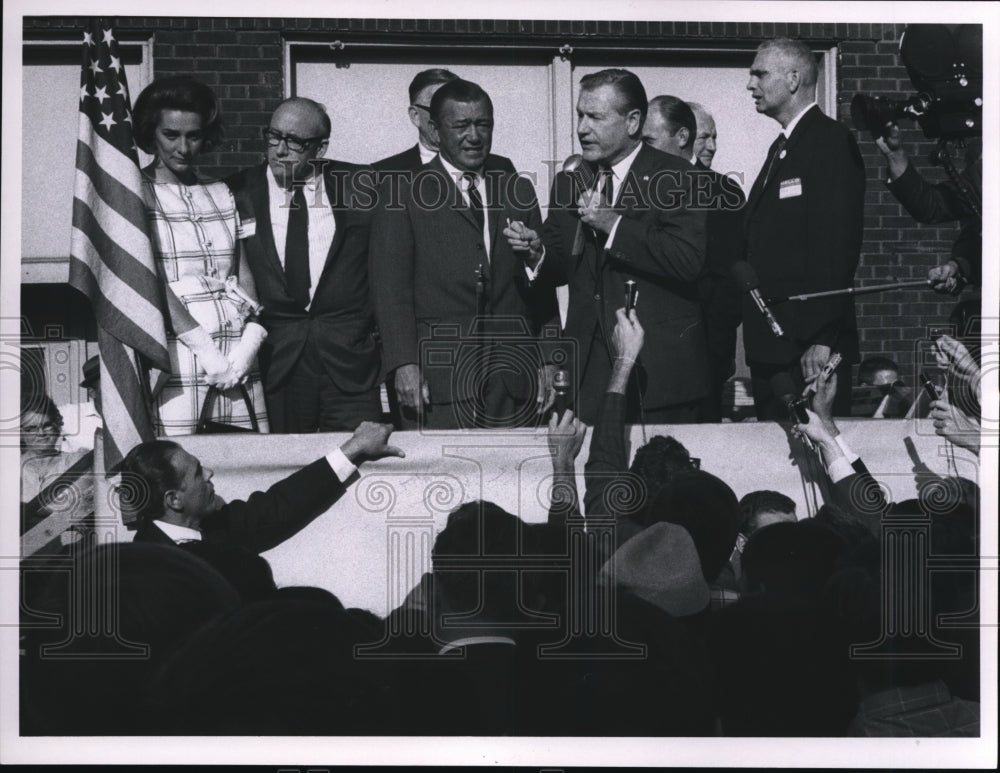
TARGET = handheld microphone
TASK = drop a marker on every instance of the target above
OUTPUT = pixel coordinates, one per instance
(631, 295)
(747, 279)
(560, 383)
(784, 387)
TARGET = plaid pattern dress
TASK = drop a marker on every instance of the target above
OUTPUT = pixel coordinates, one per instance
(193, 228)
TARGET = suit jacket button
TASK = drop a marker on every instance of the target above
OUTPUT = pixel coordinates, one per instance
(597, 296)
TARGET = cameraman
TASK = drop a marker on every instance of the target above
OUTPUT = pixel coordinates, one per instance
(941, 203)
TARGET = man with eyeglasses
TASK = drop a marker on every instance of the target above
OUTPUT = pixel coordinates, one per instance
(422, 88)
(304, 230)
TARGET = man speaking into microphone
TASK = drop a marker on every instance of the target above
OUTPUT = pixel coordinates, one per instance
(634, 221)
(803, 231)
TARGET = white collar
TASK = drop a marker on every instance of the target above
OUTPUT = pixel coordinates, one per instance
(458, 174)
(311, 183)
(469, 641)
(179, 533)
(426, 154)
(620, 169)
(787, 131)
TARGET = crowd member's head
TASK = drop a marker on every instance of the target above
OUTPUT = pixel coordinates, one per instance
(657, 462)
(176, 119)
(877, 372)
(705, 136)
(764, 507)
(96, 682)
(476, 535)
(162, 481)
(670, 126)
(422, 88)
(298, 134)
(707, 508)
(791, 559)
(276, 668)
(462, 119)
(783, 78)
(92, 381)
(610, 112)
(967, 319)
(41, 424)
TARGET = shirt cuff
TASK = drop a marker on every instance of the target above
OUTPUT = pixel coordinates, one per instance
(611, 233)
(848, 453)
(839, 469)
(342, 467)
(533, 272)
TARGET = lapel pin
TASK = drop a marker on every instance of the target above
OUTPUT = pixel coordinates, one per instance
(782, 154)
(645, 178)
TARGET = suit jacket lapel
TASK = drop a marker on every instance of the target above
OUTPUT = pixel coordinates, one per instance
(757, 192)
(454, 194)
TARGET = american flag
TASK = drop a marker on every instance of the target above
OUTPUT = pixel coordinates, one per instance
(111, 259)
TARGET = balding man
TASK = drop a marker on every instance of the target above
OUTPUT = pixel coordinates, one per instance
(670, 126)
(705, 135)
(305, 225)
(803, 231)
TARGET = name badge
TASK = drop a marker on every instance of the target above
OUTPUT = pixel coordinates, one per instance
(790, 188)
(246, 228)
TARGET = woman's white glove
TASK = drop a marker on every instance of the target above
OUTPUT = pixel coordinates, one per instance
(242, 356)
(218, 371)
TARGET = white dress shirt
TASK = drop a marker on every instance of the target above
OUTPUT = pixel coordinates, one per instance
(618, 172)
(322, 225)
(462, 183)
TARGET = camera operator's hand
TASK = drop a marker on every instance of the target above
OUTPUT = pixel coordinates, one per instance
(954, 425)
(626, 340)
(822, 402)
(892, 148)
(411, 389)
(946, 278)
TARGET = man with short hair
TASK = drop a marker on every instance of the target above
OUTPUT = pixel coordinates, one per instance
(638, 225)
(171, 494)
(422, 89)
(803, 232)
(304, 230)
(705, 135)
(670, 126)
(455, 304)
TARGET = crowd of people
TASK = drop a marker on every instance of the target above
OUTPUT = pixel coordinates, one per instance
(658, 604)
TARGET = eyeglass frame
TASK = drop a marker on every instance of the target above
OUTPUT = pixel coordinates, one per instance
(294, 144)
(425, 108)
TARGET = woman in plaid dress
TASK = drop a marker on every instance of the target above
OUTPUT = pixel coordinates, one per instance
(214, 334)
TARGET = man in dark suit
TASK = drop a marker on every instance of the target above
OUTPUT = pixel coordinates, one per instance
(304, 232)
(674, 127)
(422, 89)
(172, 496)
(646, 231)
(454, 302)
(803, 230)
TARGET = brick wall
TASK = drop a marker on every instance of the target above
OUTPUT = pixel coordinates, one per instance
(241, 58)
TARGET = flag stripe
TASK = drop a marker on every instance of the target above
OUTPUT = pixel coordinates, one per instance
(93, 160)
(120, 316)
(121, 398)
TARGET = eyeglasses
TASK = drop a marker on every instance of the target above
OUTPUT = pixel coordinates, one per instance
(48, 426)
(421, 107)
(295, 144)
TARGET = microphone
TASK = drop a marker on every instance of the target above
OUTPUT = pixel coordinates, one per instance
(560, 383)
(747, 279)
(784, 387)
(583, 180)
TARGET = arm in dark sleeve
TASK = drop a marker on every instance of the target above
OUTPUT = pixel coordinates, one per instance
(268, 518)
(668, 238)
(926, 203)
(391, 270)
(860, 496)
(558, 232)
(608, 459)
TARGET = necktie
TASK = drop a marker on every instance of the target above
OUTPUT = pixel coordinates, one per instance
(776, 148)
(475, 200)
(608, 186)
(297, 248)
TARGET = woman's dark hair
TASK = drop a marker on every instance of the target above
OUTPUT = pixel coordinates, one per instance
(178, 92)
